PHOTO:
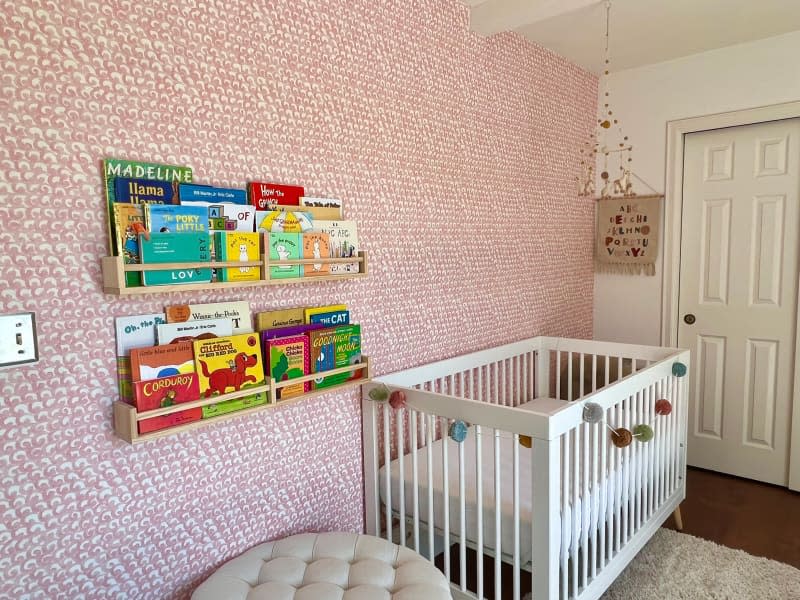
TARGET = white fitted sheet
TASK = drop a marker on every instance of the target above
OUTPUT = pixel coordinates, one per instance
(611, 486)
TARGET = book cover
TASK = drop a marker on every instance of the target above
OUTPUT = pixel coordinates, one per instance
(316, 212)
(237, 246)
(166, 391)
(283, 221)
(284, 246)
(227, 365)
(288, 359)
(329, 206)
(161, 361)
(128, 222)
(318, 310)
(189, 331)
(279, 318)
(289, 331)
(145, 191)
(331, 319)
(237, 312)
(175, 218)
(210, 194)
(316, 245)
(135, 331)
(113, 168)
(343, 243)
(332, 348)
(173, 248)
(266, 195)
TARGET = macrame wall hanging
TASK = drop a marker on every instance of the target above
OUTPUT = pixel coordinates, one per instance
(628, 224)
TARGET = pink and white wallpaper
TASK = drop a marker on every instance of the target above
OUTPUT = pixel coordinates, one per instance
(455, 154)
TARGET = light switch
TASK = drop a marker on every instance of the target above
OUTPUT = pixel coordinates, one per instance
(18, 344)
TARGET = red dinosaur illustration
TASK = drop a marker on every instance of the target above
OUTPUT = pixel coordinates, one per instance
(234, 376)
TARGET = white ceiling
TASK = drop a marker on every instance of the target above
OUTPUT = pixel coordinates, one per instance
(642, 31)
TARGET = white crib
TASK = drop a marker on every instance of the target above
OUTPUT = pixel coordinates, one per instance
(573, 509)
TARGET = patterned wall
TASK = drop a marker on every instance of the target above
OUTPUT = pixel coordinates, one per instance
(455, 154)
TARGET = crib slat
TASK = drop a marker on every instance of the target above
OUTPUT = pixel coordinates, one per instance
(498, 517)
(462, 524)
(569, 376)
(375, 482)
(414, 476)
(431, 526)
(585, 504)
(446, 507)
(558, 375)
(479, 506)
(401, 415)
(575, 521)
(387, 461)
(605, 490)
(545, 531)
(564, 535)
(580, 373)
(597, 491)
(515, 521)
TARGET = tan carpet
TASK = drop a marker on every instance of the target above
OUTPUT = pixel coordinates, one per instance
(676, 566)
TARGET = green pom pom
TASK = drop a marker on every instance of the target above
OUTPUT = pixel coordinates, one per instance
(643, 433)
(678, 369)
(379, 393)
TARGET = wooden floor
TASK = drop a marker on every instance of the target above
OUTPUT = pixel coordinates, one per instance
(758, 518)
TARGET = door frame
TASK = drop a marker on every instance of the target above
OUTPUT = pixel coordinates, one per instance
(673, 209)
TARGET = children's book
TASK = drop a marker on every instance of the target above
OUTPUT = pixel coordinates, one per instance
(113, 168)
(316, 212)
(163, 392)
(283, 221)
(228, 406)
(331, 319)
(288, 359)
(136, 331)
(343, 242)
(237, 312)
(316, 245)
(326, 206)
(226, 217)
(173, 248)
(237, 246)
(279, 318)
(319, 310)
(266, 195)
(161, 361)
(189, 331)
(175, 218)
(229, 364)
(289, 331)
(284, 246)
(332, 348)
(211, 194)
(128, 222)
(145, 191)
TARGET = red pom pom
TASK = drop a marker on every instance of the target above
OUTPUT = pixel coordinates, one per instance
(663, 407)
(397, 399)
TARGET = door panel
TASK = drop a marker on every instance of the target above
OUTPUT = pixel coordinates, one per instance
(739, 261)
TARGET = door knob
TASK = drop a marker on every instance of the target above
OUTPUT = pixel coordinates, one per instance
(689, 319)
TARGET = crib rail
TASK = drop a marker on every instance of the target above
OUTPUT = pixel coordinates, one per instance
(573, 509)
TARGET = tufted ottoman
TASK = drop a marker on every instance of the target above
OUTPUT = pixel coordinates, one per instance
(326, 566)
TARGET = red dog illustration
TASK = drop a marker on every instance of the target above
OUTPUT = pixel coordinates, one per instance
(234, 376)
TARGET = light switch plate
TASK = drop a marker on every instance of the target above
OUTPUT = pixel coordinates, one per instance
(18, 345)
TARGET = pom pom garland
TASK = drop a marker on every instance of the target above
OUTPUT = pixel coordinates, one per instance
(643, 432)
(379, 393)
(621, 437)
(678, 369)
(663, 407)
(397, 399)
(592, 412)
(458, 431)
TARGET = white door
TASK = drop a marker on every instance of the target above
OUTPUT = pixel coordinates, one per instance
(738, 295)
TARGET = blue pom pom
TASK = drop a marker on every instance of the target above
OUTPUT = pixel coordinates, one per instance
(678, 369)
(458, 431)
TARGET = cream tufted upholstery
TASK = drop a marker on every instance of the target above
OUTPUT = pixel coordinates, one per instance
(326, 566)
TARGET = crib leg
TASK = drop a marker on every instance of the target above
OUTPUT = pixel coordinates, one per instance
(678, 520)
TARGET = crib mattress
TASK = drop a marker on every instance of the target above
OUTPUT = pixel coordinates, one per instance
(585, 516)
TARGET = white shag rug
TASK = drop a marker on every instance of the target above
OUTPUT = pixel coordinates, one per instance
(677, 566)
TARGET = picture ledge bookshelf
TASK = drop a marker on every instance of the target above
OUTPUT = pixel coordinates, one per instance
(126, 417)
(114, 269)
